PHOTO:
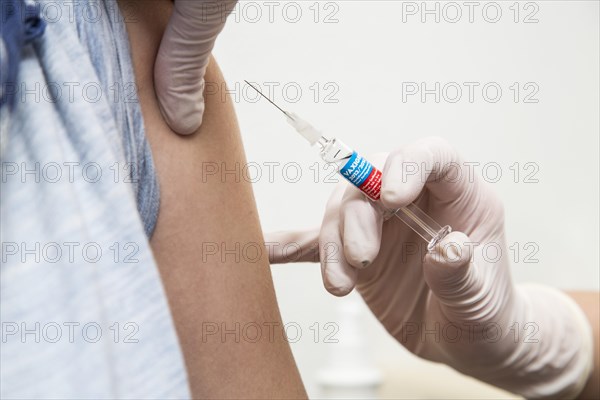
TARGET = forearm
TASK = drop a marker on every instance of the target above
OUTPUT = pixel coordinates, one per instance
(590, 304)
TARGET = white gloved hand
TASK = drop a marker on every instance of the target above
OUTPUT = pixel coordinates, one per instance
(456, 305)
(182, 60)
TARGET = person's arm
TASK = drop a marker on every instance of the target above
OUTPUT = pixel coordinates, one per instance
(202, 219)
(590, 304)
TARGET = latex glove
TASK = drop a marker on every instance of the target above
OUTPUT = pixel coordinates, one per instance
(182, 60)
(456, 305)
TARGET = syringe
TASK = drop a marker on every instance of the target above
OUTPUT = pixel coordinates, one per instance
(363, 175)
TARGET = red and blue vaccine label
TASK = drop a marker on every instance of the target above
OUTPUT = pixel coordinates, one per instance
(363, 175)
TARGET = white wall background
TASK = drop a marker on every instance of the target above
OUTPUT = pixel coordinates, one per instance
(362, 59)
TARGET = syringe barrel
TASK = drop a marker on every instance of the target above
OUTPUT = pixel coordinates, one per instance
(353, 167)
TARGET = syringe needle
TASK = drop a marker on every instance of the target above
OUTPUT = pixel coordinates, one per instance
(270, 101)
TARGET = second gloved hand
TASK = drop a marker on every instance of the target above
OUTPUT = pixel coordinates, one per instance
(182, 60)
(457, 304)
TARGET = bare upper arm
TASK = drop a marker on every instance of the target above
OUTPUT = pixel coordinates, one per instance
(201, 214)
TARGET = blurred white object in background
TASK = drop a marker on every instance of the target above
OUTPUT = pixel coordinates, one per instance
(349, 371)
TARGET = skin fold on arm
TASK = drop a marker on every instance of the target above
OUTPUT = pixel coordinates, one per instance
(208, 238)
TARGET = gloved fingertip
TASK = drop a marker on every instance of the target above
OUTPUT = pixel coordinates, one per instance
(339, 278)
(360, 255)
(405, 174)
(451, 251)
(393, 197)
(453, 277)
(362, 226)
(398, 189)
(183, 122)
(186, 128)
(182, 110)
(339, 291)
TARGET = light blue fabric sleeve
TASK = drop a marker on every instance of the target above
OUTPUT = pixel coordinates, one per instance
(82, 308)
(102, 32)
